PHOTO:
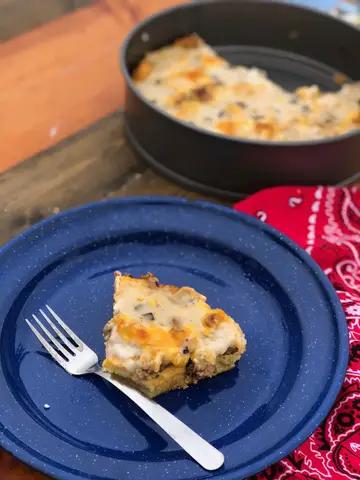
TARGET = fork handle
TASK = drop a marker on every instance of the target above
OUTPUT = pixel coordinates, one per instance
(199, 449)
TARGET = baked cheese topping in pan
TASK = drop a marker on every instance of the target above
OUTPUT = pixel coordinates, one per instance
(191, 82)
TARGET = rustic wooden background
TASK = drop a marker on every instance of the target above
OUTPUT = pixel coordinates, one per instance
(93, 165)
(59, 59)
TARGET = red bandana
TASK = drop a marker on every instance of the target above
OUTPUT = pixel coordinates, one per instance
(326, 223)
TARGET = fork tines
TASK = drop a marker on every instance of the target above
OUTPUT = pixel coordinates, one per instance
(63, 347)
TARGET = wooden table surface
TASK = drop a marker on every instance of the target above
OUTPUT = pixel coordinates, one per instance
(61, 123)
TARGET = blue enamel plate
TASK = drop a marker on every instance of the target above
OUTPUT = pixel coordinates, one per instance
(81, 427)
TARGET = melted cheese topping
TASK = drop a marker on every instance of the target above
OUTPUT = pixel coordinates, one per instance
(192, 83)
(155, 326)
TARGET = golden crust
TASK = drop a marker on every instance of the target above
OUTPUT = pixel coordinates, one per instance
(173, 378)
(142, 71)
(180, 341)
(190, 41)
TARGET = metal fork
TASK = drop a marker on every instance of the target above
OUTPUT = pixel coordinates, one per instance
(78, 359)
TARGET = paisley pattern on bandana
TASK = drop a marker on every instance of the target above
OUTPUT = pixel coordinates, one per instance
(326, 223)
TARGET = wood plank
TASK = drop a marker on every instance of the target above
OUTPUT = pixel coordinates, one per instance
(56, 80)
(18, 16)
(140, 9)
(93, 165)
(64, 76)
(81, 169)
(149, 183)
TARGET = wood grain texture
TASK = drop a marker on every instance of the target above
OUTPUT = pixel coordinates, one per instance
(82, 169)
(93, 165)
(59, 79)
(149, 183)
(18, 16)
(64, 75)
(139, 9)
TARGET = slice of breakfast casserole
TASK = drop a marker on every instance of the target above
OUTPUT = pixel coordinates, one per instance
(164, 337)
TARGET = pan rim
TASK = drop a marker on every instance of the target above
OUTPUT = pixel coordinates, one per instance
(262, 143)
